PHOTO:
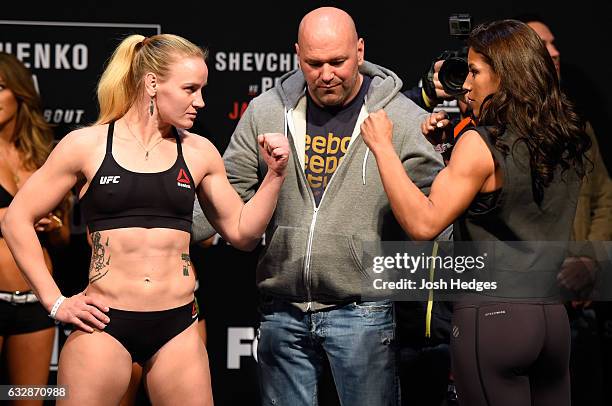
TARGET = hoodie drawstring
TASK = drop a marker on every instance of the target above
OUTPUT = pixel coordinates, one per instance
(430, 300)
(365, 162)
(285, 122)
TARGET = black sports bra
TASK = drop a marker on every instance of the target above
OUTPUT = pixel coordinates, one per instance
(119, 198)
(5, 197)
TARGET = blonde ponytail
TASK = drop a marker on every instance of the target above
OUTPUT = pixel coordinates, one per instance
(116, 92)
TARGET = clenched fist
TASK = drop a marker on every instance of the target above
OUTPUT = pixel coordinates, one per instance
(274, 148)
(377, 131)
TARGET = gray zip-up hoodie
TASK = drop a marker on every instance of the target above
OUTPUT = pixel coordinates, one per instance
(313, 254)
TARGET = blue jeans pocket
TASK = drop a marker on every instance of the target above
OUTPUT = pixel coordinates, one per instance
(374, 309)
(378, 306)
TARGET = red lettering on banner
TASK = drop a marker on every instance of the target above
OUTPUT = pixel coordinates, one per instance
(238, 110)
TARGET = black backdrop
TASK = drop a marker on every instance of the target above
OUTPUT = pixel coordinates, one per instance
(250, 45)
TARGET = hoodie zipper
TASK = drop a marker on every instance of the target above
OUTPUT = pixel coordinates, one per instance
(313, 221)
(311, 232)
(308, 257)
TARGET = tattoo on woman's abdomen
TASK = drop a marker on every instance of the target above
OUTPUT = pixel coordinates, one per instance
(100, 265)
(186, 264)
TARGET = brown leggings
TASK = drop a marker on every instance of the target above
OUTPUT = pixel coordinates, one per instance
(511, 354)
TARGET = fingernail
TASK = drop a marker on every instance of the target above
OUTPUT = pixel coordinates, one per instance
(439, 124)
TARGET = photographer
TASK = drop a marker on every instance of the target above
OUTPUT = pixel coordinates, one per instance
(429, 99)
(443, 83)
(424, 327)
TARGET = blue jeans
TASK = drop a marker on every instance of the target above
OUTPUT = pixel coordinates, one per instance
(358, 339)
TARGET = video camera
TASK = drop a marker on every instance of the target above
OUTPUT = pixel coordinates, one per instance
(454, 70)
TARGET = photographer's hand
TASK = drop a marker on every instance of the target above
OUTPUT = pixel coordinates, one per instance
(440, 93)
(433, 91)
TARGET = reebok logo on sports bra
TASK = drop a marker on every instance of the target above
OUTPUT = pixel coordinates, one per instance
(105, 180)
(182, 179)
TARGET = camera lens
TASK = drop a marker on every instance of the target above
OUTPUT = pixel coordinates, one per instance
(452, 75)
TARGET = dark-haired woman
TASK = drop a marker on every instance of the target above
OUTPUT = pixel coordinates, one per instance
(513, 178)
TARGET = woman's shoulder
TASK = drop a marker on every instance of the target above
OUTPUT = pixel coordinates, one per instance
(472, 138)
(197, 143)
(81, 144)
(200, 154)
(86, 136)
(472, 151)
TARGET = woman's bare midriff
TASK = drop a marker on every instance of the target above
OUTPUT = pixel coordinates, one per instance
(141, 269)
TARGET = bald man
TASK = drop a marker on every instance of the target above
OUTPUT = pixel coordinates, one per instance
(310, 273)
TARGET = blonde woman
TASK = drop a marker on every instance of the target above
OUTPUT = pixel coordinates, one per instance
(143, 171)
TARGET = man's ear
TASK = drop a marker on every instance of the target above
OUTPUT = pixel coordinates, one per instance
(297, 52)
(360, 51)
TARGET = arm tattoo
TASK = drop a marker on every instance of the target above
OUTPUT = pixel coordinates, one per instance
(187, 264)
(99, 266)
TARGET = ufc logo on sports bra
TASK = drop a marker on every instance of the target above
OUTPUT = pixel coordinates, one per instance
(105, 180)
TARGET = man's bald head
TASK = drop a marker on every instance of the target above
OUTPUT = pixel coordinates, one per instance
(330, 54)
(327, 21)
